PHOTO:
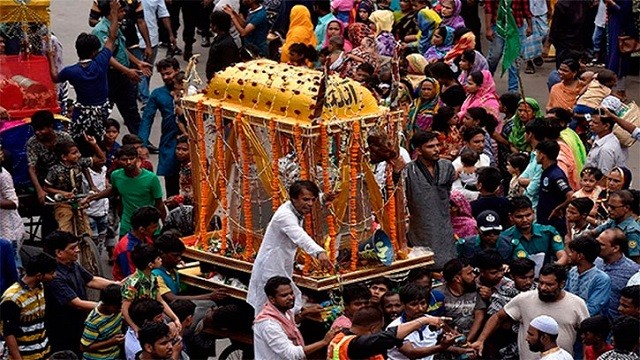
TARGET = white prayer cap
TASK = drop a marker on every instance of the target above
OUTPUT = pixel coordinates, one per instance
(545, 324)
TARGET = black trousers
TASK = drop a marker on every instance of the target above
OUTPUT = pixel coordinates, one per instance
(190, 14)
(123, 93)
(172, 184)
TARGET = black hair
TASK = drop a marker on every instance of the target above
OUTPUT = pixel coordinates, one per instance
(606, 76)
(584, 205)
(440, 70)
(40, 264)
(422, 137)
(127, 150)
(168, 62)
(105, 6)
(510, 100)
(518, 161)
(468, 55)
(486, 120)
(367, 67)
(592, 170)
(131, 139)
(111, 295)
(296, 188)
(521, 266)
(111, 122)
(183, 308)
(417, 274)
(144, 310)
(151, 332)
(64, 355)
(411, 292)
(221, 20)
(144, 216)
(42, 119)
(272, 285)
(182, 139)
(87, 45)
(367, 316)
(556, 270)
(490, 178)
(58, 240)
(459, 32)
(63, 148)
(609, 121)
(626, 331)
(518, 203)
(355, 292)
(477, 77)
(144, 254)
(562, 115)
(307, 51)
(453, 267)
(168, 243)
(598, 325)
(625, 196)
(442, 31)
(632, 293)
(471, 132)
(323, 5)
(488, 259)
(324, 51)
(441, 119)
(388, 294)
(381, 280)
(572, 64)
(536, 127)
(469, 157)
(549, 148)
(587, 246)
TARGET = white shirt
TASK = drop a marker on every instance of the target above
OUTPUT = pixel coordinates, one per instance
(601, 15)
(634, 280)
(429, 338)
(636, 133)
(11, 226)
(483, 161)
(606, 153)
(153, 10)
(100, 207)
(131, 345)
(271, 342)
(277, 252)
(538, 7)
(559, 354)
(235, 5)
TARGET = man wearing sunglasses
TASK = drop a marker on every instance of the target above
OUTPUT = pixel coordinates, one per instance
(621, 216)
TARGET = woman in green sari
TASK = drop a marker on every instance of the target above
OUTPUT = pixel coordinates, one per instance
(528, 109)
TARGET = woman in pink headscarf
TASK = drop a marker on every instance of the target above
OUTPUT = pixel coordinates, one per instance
(336, 28)
(461, 218)
(481, 92)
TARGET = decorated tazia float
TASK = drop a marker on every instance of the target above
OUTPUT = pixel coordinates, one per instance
(262, 125)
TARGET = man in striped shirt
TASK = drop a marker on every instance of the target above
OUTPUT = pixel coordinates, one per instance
(22, 311)
(102, 334)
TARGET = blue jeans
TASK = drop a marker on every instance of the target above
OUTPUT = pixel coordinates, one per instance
(16, 253)
(496, 50)
(143, 85)
(598, 35)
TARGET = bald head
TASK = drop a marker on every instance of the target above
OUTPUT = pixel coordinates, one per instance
(613, 244)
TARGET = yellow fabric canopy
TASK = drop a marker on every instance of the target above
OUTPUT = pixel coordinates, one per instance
(31, 11)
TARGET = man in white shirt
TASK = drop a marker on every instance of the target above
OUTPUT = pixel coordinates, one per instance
(283, 237)
(606, 153)
(275, 334)
(542, 335)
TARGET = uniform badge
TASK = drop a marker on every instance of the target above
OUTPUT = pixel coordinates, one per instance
(632, 244)
(521, 254)
(491, 218)
(545, 181)
(557, 238)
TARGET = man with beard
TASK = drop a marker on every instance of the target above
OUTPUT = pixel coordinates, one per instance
(461, 300)
(550, 299)
(542, 335)
(585, 279)
(491, 277)
(155, 340)
(391, 307)
(275, 334)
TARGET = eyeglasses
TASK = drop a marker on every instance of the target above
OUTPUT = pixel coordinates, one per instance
(610, 206)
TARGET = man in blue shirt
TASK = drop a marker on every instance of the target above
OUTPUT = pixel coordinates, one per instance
(254, 28)
(162, 99)
(621, 216)
(585, 279)
(555, 192)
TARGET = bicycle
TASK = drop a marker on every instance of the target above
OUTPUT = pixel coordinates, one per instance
(89, 256)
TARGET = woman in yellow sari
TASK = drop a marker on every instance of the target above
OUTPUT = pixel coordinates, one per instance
(300, 31)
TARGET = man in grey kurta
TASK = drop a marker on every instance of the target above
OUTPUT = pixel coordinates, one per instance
(428, 185)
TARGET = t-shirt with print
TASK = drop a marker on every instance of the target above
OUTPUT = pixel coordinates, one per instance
(554, 187)
(68, 177)
(462, 308)
(143, 190)
(90, 81)
(42, 157)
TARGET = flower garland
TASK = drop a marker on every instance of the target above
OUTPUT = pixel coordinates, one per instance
(204, 186)
(353, 172)
(222, 185)
(331, 224)
(246, 189)
(275, 156)
(304, 175)
(391, 208)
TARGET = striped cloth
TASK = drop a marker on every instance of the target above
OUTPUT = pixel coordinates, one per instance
(100, 327)
(532, 47)
(27, 327)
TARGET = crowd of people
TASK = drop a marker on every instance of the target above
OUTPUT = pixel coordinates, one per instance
(529, 210)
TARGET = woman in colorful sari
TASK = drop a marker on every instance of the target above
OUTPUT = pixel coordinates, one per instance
(528, 109)
(385, 42)
(445, 123)
(428, 22)
(406, 27)
(364, 49)
(461, 218)
(481, 92)
(336, 28)
(424, 107)
(450, 13)
(471, 61)
(300, 31)
(441, 43)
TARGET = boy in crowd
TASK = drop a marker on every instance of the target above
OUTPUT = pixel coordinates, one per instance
(594, 332)
(144, 223)
(184, 310)
(489, 180)
(98, 211)
(626, 332)
(378, 287)
(630, 301)
(142, 311)
(585, 279)
(110, 144)
(422, 278)
(156, 342)
(102, 334)
(491, 277)
(355, 297)
(143, 152)
(185, 196)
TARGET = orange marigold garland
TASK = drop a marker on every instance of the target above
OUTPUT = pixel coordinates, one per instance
(391, 209)
(353, 186)
(204, 186)
(246, 189)
(222, 183)
(304, 175)
(331, 224)
(275, 156)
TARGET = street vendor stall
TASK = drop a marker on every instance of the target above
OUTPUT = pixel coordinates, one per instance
(263, 125)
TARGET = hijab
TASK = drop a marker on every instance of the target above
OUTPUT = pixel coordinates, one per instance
(428, 21)
(366, 6)
(466, 42)
(437, 52)
(386, 43)
(358, 31)
(463, 223)
(347, 43)
(422, 111)
(479, 63)
(517, 136)
(485, 97)
(455, 21)
(300, 30)
(416, 64)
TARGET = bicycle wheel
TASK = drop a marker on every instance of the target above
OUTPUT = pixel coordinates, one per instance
(89, 256)
(236, 352)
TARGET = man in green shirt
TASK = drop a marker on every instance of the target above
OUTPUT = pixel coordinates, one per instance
(137, 187)
(534, 238)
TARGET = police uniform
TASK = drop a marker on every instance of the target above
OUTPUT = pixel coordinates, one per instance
(507, 248)
(544, 239)
(631, 230)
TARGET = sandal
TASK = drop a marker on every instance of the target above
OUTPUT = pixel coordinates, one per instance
(530, 68)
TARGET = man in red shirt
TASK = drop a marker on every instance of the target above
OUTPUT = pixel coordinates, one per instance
(144, 222)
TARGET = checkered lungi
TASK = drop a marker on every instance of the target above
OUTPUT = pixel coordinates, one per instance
(532, 47)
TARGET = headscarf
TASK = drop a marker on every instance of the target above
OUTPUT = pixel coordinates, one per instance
(517, 136)
(437, 52)
(358, 31)
(417, 64)
(480, 63)
(626, 176)
(347, 43)
(455, 21)
(422, 111)
(366, 6)
(428, 21)
(386, 43)
(300, 30)
(463, 223)
(466, 42)
(485, 97)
